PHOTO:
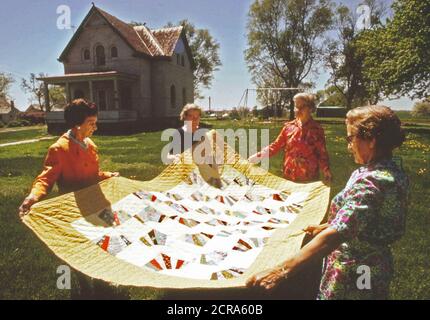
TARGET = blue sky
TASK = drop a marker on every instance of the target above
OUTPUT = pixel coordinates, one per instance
(31, 41)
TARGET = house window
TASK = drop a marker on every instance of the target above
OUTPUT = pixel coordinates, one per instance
(114, 52)
(184, 96)
(100, 56)
(173, 96)
(78, 94)
(102, 101)
(86, 54)
(182, 61)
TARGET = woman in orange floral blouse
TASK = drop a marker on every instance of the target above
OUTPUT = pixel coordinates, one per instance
(303, 142)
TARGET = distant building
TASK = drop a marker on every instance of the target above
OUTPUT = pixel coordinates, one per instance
(331, 112)
(33, 114)
(33, 108)
(135, 75)
(8, 112)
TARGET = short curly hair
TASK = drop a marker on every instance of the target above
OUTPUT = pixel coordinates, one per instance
(379, 122)
(189, 107)
(308, 99)
(77, 111)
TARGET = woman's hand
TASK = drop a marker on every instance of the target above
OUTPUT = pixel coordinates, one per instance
(254, 158)
(268, 279)
(328, 177)
(26, 205)
(313, 230)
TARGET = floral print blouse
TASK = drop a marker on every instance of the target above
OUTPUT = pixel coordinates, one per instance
(369, 213)
(305, 150)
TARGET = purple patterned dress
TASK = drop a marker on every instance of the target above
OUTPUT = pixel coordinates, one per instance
(369, 213)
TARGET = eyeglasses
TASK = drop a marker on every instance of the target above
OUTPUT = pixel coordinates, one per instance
(350, 138)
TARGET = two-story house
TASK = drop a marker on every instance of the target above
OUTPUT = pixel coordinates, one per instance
(136, 76)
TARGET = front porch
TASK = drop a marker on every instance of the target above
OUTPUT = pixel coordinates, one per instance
(111, 91)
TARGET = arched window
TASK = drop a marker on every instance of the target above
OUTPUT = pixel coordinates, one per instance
(87, 55)
(100, 56)
(184, 96)
(114, 52)
(173, 96)
(78, 94)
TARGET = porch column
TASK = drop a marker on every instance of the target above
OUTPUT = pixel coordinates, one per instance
(46, 94)
(68, 99)
(90, 83)
(116, 93)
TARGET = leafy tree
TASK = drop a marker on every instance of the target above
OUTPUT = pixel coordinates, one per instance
(331, 96)
(6, 81)
(57, 96)
(286, 39)
(234, 114)
(421, 109)
(397, 55)
(255, 112)
(344, 59)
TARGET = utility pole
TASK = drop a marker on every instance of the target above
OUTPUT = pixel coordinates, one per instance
(209, 104)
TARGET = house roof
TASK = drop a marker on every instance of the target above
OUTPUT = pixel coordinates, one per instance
(168, 37)
(33, 108)
(146, 42)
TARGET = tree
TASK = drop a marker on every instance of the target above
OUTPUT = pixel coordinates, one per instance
(271, 98)
(421, 109)
(331, 96)
(344, 59)
(397, 54)
(205, 51)
(285, 39)
(255, 112)
(37, 90)
(57, 96)
(6, 81)
(234, 114)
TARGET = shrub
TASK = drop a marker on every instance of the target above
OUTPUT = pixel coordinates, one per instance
(421, 109)
(18, 123)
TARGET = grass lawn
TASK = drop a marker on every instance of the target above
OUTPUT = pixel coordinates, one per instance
(28, 268)
(24, 133)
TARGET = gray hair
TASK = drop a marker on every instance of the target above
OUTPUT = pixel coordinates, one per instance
(307, 98)
(189, 107)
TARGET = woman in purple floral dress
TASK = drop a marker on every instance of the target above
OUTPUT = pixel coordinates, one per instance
(365, 218)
